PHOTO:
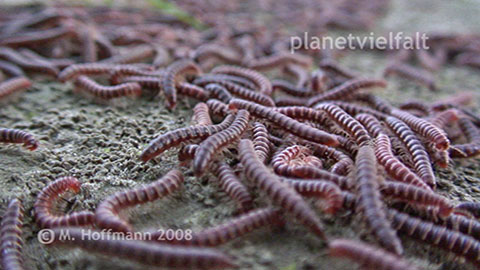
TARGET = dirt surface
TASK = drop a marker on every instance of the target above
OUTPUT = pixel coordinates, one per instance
(100, 143)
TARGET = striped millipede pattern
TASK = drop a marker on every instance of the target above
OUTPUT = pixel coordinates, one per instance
(218, 91)
(150, 254)
(304, 113)
(193, 91)
(36, 38)
(261, 141)
(282, 161)
(343, 163)
(371, 123)
(14, 85)
(201, 115)
(25, 63)
(73, 71)
(318, 81)
(333, 67)
(285, 122)
(216, 142)
(300, 74)
(279, 60)
(49, 196)
(287, 87)
(375, 102)
(11, 241)
(11, 69)
(280, 193)
(106, 215)
(445, 118)
(231, 78)
(18, 136)
(472, 208)
(84, 83)
(134, 55)
(422, 76)
(263, 84)
(471, 132)
(171, 78)
(217, 107)
(355, 109)
(369, 202)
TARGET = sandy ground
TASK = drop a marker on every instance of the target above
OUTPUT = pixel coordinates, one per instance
(99, 144)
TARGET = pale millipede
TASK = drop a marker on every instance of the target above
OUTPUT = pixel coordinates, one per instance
(424, 128)
(18, 136)
(234, 79)
(232, 229)
(175, 137)
(420, 157)
(346, 90)
(89, 47)
(442, 119)
(11, 241)
(48, 197)
(26, 64)
(393, 166)
(201, 115)
(215, 143)
(280, 193)
(279, 60)
(36, 38)
(193, 91)
(11, 69)
(299, 73)
(348, 123)
(263, 83)
(134, 55)
(285, 122)
(367, 256)
(409, 72)
(369, 200)
(417, 196)
(287, 87)
(371, 123)
(84, 83)
(261, 141)
(217, 107)
(57, 62)
(107, 213)
(319, 189)
(14, 85)
(171, 79)
(238, 90)
(281, 161)
(152, 254)
(219, 92)
(329, 65)
(439, 236)
(319, 81)
(73, 71)
(430, 61)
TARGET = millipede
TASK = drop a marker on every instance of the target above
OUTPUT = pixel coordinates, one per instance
(330, 66)
(193, 91)
(218, 91)
(279, 60)
(375, 102)
(422, 76)
(217, 107)
(26, 64)
(201, 115)
(231, 78)
(11, 241)
(304, 113)
(261, 141)
(444, 118)
(371, 123)
(84, 83)
(287, 87)
(14, 85)
(134, 55)
(282, 161)
(263, 83)
(18, 136)
(171, 79)
(37, 37)
(46, 200)
(11, 69)
(73, 71)
(472, 208)
(106, 215)
(298, 72)
(318, 81)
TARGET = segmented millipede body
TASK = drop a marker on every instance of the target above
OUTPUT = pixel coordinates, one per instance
(352, 126)
(11, 242)
(73, 71)
(472, 133)
(279, 60)
(415, 195)
(287, 87)
(171, 77)
(13, 85)
(27, 64)
(312, 173)
(409, 72)
(36, 38)
(238, 90)
(263, 83)
(56, 62)
(187, 153)
(120, 71)
(216, 142)
(233, 229)
(424, 128)
(11, 69)
(369, 202)
(369, 257)
(375, 102)
(282, 161)
(298, 72)
(439, 236)
(193, 91)
(393, 166)
(333, 67)
(284, 101)
(417, 106)
(460, 99)
(472, 208)
(106, 215)
(319, 81)
(18, 136)
(175, 137)
(152, 254)
(201, 115)
(261, 141)
(444, 118)
(354, 109)
(280, 193)
(217, 107)
(304, 113)
(218, 91)
(341, 167)
(134, 55)
(45, 204)
(88, 85)
(222, 53)
(371, 123)
(454, 222)
(421, 160)
(299, 129)
(231, 78)
(346, 90)
(323, 189)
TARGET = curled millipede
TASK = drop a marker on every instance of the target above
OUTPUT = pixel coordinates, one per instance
(18, 136)
(217, 107)
(417, 196)
(291, 89)
(346, 90)
(316, 188)
(201, 115)
(234, 228)
(219, 92)
(171, 77)
(280, 193)
(13, 85)
(352, 126)
(261, 141)
(36, 38)
(421, 160)
(216, 142)
(371, 123)
(193, 91)
(393, 166)
(106, 215)
(11, 69)
(369, 202)
(175, 137)
(471, 132)
(299, 129)
(422, 76)
(298, 72)
(263, 83)
(73, 71)
(472, 208)
(282, 161)
(27, 64)
(439, 236)
(44, 205)
(424, 128)
(341, 167)
(152, 254)
(367, 256)
(11, 242)
(107, 92)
